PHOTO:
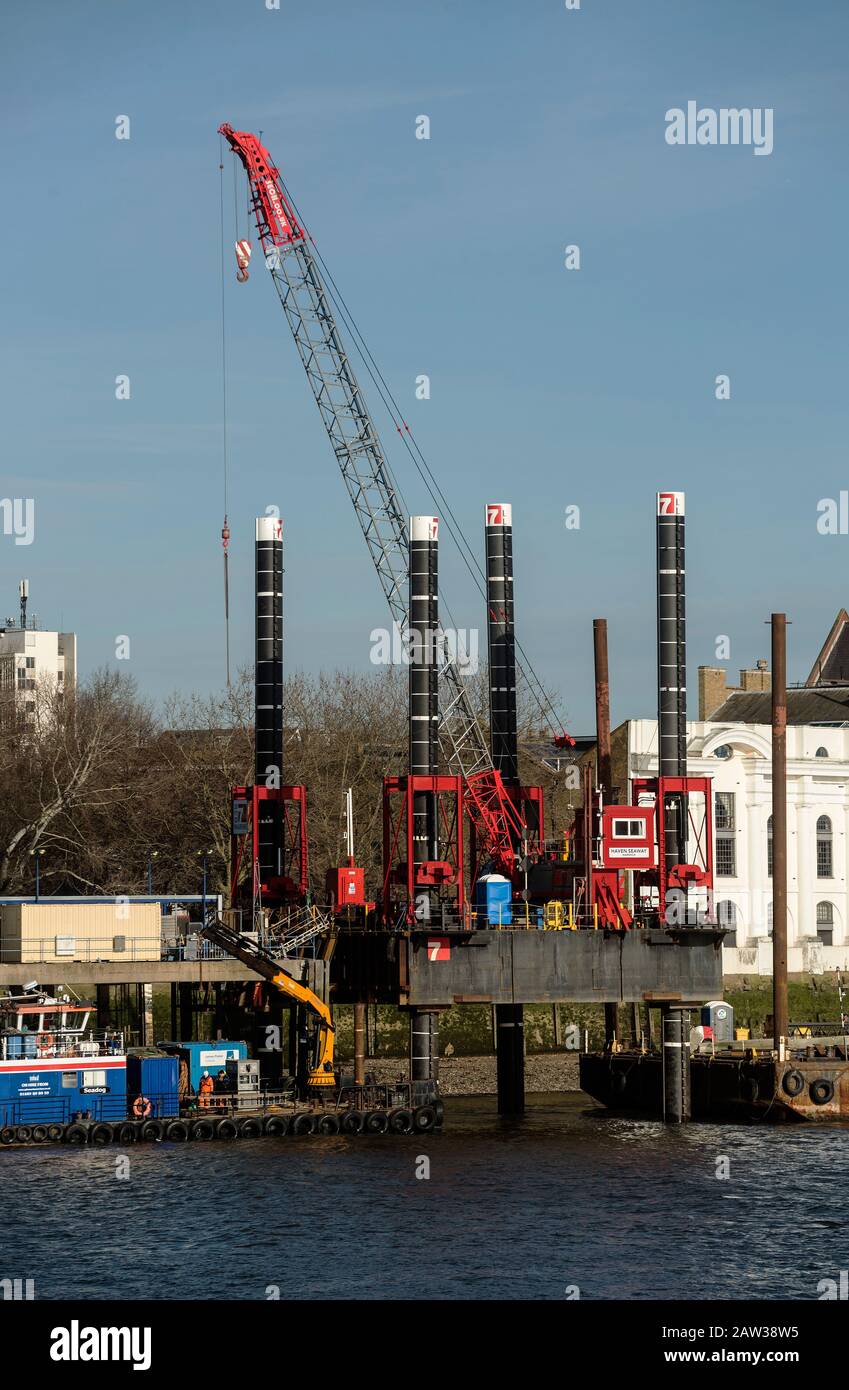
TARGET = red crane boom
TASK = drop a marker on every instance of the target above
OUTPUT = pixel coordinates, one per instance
(359, 453)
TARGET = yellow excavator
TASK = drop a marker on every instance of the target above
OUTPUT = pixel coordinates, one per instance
(321, 1074)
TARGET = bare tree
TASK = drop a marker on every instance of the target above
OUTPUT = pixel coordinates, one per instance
(69, 763)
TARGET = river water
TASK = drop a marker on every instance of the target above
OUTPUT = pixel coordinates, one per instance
(567, 1196)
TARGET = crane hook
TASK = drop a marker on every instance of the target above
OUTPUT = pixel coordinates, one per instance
(243, 256)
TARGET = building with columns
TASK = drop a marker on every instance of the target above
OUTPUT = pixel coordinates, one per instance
(736, 754)
(731, 742)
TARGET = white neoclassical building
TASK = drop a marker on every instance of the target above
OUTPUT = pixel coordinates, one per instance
(736, 754)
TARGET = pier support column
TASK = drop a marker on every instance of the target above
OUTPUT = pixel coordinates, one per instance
(676, 1064)
(303, 1049)
(510, 1058)
(292, 1049)
(268, 1041)
(359, 1044)
(424, 1046)
(186, 1022)
(780, 1007)
(611, 1026)
(144, 1009)
(104, 1007)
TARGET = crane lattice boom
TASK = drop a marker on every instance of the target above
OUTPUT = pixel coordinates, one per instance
(356, 444)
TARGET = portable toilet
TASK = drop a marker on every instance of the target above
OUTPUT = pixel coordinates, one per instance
(719, 1017)
(494, 901)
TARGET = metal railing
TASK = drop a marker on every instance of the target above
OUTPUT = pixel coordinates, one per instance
(299, 929)
(93, 949)
(80, 1047)
(166, 1105)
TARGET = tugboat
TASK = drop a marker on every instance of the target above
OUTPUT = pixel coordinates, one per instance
(54, 1070)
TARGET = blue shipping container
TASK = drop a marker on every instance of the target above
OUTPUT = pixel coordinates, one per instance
(156, 1079)
(206, 1056)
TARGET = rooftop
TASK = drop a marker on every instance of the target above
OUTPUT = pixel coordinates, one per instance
(821, 704)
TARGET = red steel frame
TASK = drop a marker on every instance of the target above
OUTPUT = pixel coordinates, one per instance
(398, 864)
(684, 874)
(294, 882)
(522, 827)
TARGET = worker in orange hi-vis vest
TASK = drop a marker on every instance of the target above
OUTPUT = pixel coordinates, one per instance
(205, 1090)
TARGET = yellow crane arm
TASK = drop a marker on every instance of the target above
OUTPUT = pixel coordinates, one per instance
(264, 964)
(326, 1032)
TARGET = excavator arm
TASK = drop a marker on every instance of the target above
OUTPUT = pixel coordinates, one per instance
(264, 964)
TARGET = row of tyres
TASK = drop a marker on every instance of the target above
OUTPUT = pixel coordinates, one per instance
(324, 1122)
(205, 1128)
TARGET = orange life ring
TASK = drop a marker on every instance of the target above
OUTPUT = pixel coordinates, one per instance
(142, 1107)
(45, 1042)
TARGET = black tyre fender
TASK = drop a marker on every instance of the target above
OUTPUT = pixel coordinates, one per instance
(250, 1128)
(201, 1131)
(226, 1129)
(7, 1134)
(328, 1124)
(177, 1132)
(100, 1135)
(39, 1134)
(127, 1133)
(424, 1119)
(23, 1134)
(151, 1131)
(749, 1089)
(76, 1134)
(618, 1083)
(792, 1083)
(276, 1125)
(439, 1110)
(303, 1124)
(377, 1122)
(401, 1121)
(54, 1133)
(352, 1122)
(821, 1091)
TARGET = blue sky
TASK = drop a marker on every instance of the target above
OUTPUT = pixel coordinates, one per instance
(549, 388)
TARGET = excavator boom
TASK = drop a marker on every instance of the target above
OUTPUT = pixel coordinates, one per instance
(262, 963)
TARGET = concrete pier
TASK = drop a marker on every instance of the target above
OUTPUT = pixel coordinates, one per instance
(510, 1058)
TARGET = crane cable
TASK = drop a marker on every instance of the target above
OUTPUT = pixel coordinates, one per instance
(472, 564)
(225, 530)
(470, 560)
